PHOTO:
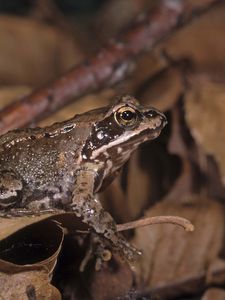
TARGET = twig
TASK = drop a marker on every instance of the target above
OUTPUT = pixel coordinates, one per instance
(157, 220)
(109, 66)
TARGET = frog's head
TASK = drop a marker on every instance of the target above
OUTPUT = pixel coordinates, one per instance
(119, 129)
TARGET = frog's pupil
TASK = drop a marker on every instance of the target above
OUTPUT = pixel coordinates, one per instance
(127, 115)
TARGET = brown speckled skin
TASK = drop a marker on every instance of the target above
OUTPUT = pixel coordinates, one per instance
(64, 165)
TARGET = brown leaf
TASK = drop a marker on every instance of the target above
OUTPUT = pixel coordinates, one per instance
(205, 111)
(10, 225)
(32, 53)
(112, 281)
(183, 185)
(163, 90)
(200, 41)
(31, 253)
(172, 256)
(137, 198)
(27, 260)
(114, 200)
(113, 22)
(31, 247)
(28, 285)
(214, 293)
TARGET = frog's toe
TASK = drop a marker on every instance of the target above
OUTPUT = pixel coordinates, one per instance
(130, 252)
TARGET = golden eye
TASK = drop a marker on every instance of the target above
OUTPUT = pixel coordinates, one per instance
(126, 116)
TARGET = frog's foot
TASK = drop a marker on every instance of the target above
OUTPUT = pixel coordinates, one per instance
(85, 205)
(97, 249)
(105, 226)
(121, 245)
(127, 250)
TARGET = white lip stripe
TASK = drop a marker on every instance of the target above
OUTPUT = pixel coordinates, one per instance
(118, 141)
(122, 139)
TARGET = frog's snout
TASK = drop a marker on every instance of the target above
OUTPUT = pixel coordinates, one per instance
(157, 117)
(163, 119)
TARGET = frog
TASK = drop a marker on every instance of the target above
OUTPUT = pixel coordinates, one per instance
(64, 166)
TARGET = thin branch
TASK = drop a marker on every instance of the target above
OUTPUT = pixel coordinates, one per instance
(157, 220)
(109, 66)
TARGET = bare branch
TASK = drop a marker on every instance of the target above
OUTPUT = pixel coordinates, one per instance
(109, 66)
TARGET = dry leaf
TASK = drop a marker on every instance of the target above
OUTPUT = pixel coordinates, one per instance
(214, 293)
(36, 245)
(27, 260)
(32, 53)
(163, 90)
(172, 256)
(147, 67)
(201, 41)
(113, 199)
(137, 198)
(108, 22)
(10, 225)
(29, 255)
(112, 281)
(32, 283)
(205, 111)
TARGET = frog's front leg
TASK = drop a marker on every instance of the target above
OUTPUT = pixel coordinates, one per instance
(85, 205)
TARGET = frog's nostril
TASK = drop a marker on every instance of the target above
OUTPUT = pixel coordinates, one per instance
(151, 113)
(154, 113)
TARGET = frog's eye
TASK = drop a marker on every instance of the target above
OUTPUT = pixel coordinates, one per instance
(126, 116)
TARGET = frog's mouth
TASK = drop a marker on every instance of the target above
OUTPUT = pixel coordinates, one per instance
(146, 132)
(143, 136)
(133, 138)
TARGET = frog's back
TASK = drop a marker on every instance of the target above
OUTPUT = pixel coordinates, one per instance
(41, 155)
(10, 138)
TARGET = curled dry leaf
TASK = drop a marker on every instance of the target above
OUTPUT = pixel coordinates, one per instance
(37, 244)
(172, 256)
(27, 260)
(205, 111)
(29, 255)
(10, 225)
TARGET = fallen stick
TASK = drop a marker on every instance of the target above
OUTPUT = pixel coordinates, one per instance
(108, 67)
